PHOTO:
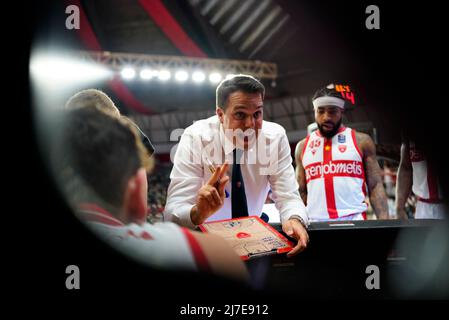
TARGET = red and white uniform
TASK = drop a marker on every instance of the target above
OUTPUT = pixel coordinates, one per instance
(425, 187)
(335, 177)
(162, 245)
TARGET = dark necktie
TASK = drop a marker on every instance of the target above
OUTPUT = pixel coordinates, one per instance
(238, 196)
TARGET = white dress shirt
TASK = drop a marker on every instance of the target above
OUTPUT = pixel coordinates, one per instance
(260, 173)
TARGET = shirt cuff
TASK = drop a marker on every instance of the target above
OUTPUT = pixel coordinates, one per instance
(182, 216)
(302, 215)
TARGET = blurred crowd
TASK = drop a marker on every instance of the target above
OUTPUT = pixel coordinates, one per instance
(158, 181)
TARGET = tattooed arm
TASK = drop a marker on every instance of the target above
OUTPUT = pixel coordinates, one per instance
(300, 173)
(404, 181)
(377, 195)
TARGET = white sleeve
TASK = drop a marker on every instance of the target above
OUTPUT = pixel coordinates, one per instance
(284, 186)
(162, 245)
(186, 179)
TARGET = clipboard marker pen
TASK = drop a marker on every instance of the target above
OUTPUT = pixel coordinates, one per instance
(212, 170)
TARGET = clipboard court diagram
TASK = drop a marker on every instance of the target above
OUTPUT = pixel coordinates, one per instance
(249, 236)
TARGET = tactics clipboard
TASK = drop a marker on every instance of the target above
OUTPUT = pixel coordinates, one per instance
(249, 236)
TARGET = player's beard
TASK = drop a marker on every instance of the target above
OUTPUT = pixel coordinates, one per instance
(329, 134)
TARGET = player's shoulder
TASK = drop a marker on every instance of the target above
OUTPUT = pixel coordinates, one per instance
(300, 145)
(365, 143)
(360, 134)
(362, 137)
(303, 140)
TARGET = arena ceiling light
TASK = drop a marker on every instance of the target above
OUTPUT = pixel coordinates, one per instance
(61, 69)
(181, 76)
(214, 69)
(198, 76)
(164, 75)
(146, 74)
(55, 75)
(128, 73)
(215, 77)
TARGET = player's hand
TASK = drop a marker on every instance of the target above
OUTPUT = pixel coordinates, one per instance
(210, 196)
(293, 228)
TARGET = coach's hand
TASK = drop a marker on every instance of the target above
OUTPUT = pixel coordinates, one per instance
(211, 196)
(294, 228)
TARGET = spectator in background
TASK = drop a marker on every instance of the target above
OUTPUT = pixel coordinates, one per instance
(389, 176)
(157, 194)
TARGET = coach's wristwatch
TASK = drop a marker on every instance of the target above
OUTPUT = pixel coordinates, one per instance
(300, 220)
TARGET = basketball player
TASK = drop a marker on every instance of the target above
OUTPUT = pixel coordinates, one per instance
(336, 166)
(416, 174)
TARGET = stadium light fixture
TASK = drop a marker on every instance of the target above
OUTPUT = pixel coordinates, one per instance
(128, 73)
(181, 76)
(164, 75)
(198, 76)
(215, 77)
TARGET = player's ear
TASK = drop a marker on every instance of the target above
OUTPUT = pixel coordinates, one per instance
(135, 202)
